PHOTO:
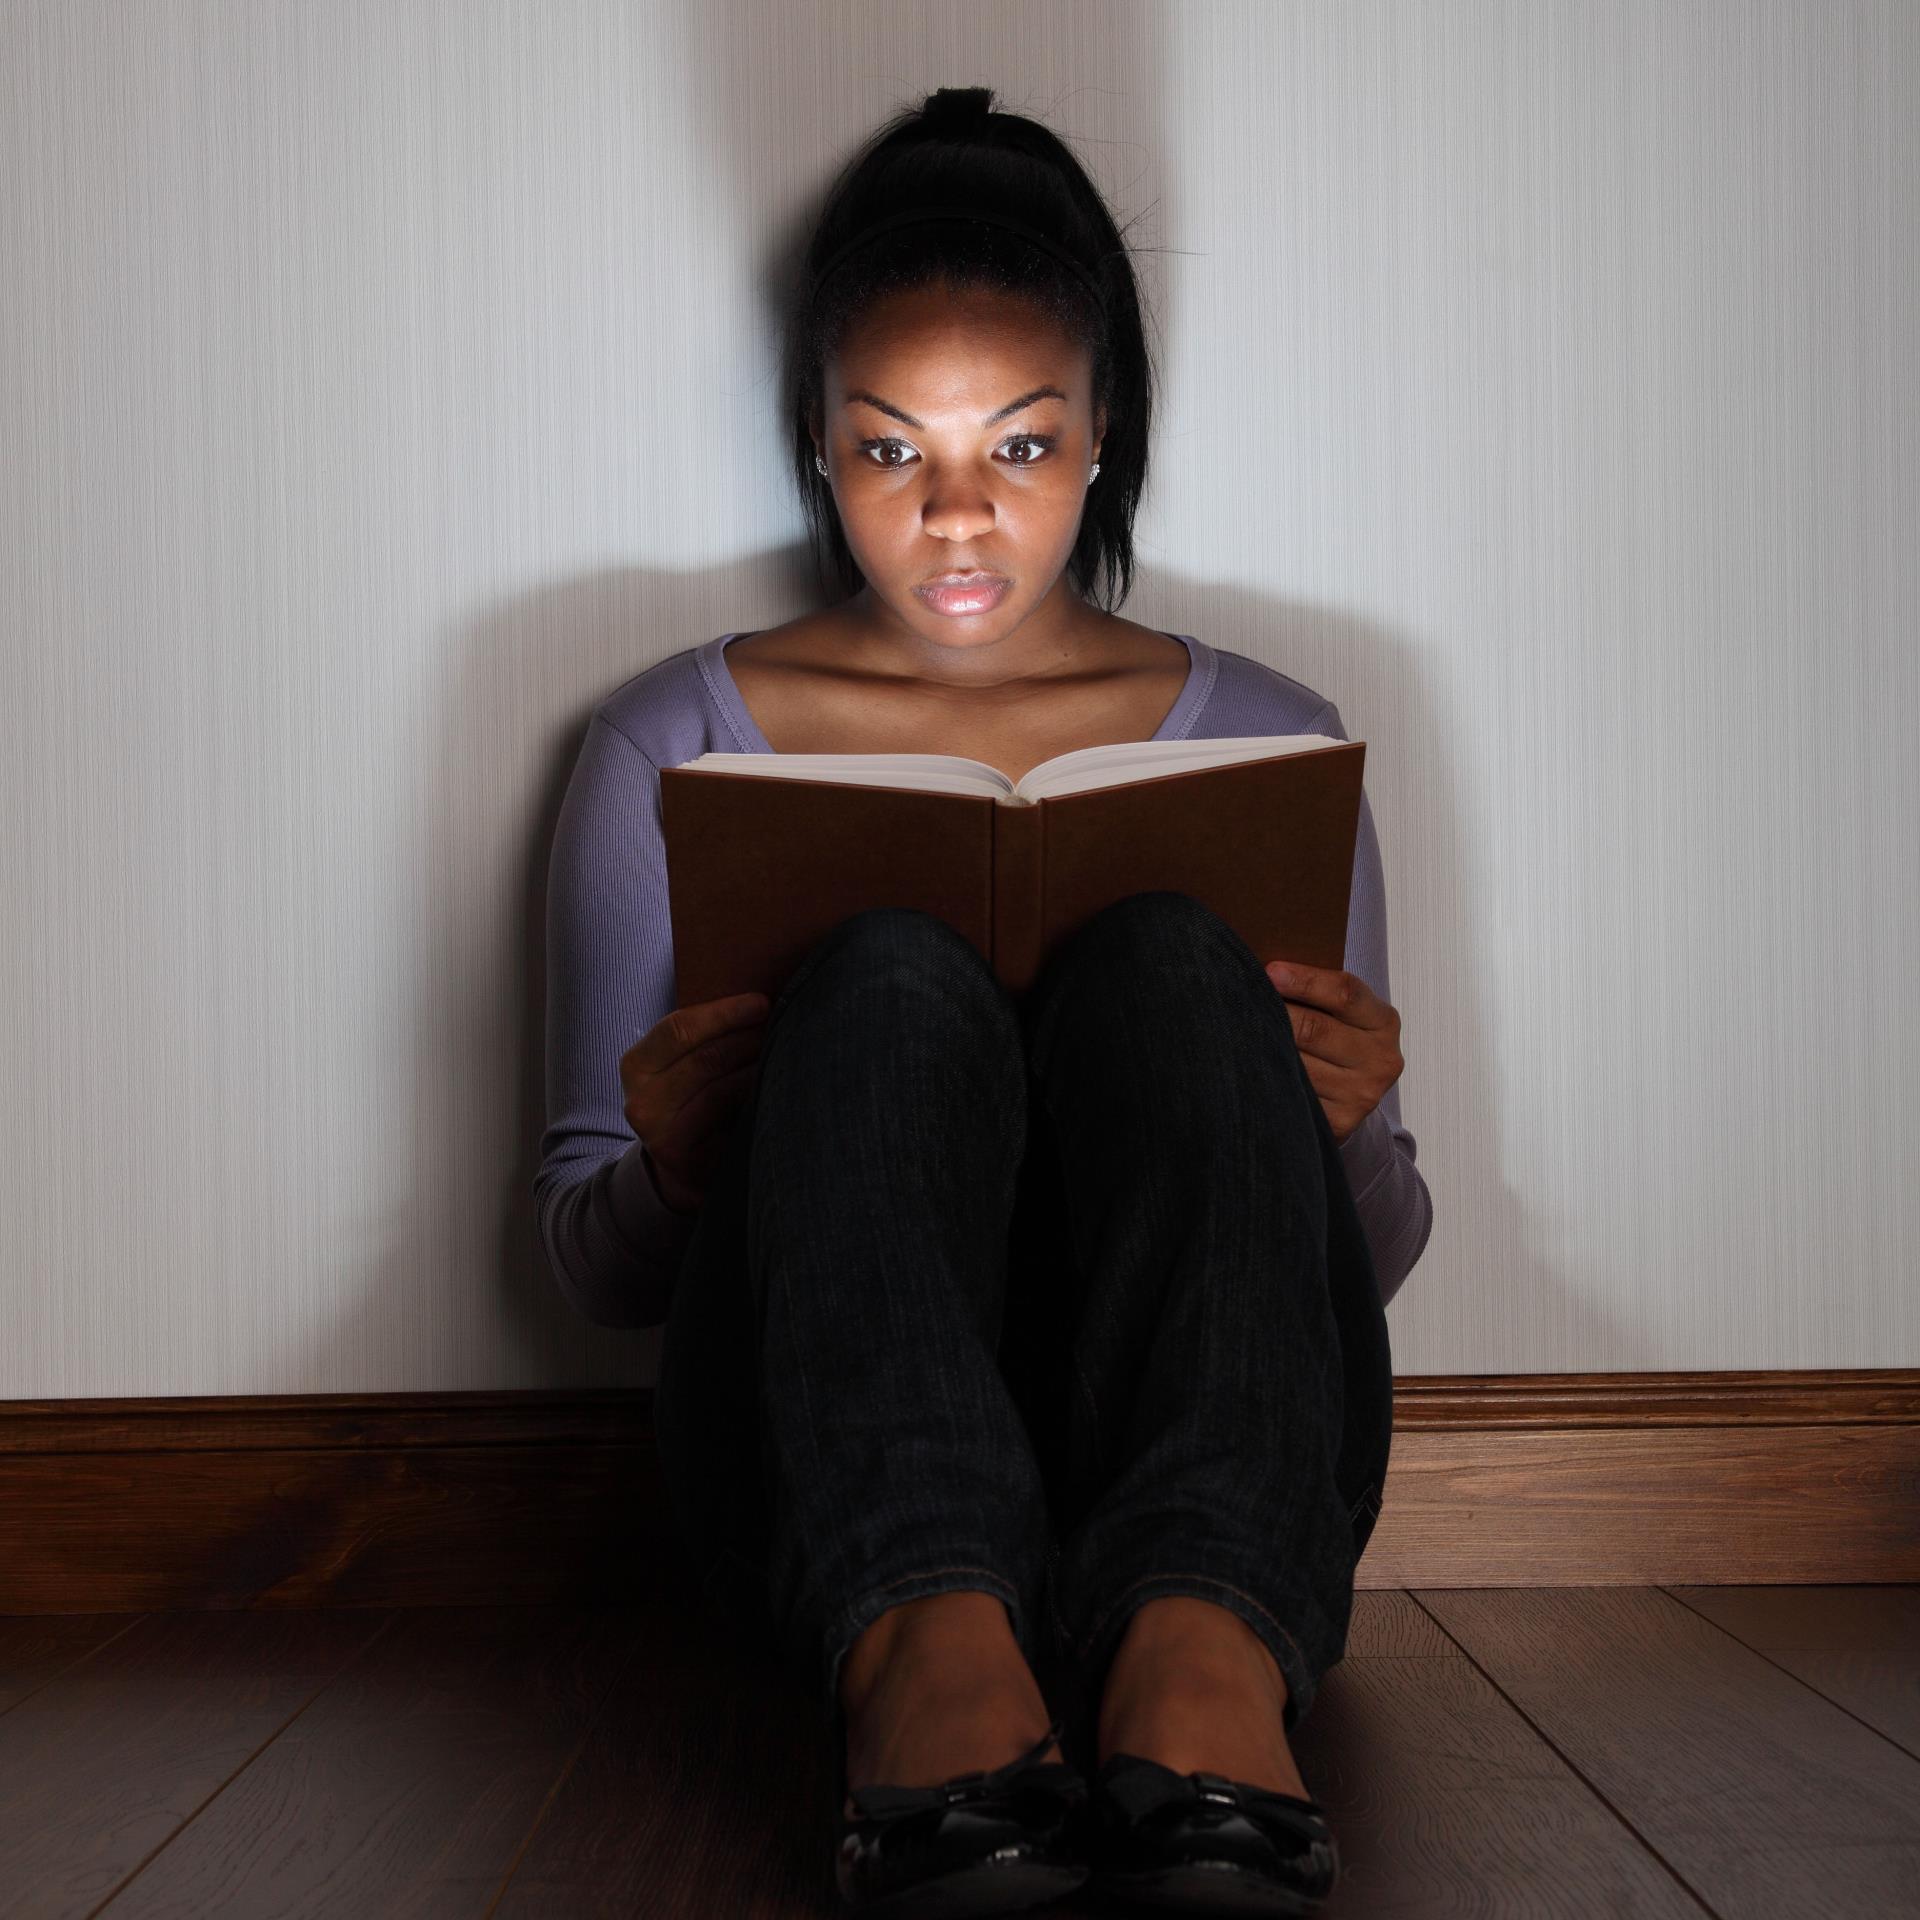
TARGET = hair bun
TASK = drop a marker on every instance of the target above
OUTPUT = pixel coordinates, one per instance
(957, 109)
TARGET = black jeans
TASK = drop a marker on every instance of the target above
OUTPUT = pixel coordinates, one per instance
(1061, 1298)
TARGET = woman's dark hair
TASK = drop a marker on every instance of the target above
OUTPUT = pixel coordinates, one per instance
(954, 153)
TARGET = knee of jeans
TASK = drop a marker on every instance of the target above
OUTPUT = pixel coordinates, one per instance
(1156, 915)
(1156, 934)
(909, 943)
(895, 924)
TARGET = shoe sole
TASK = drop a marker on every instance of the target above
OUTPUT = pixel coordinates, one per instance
(1210, 1887)
(990, 1887)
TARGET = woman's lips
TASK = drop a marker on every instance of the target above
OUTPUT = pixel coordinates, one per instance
(980, 596)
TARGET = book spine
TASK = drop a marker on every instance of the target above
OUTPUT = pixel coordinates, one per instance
(1019, 894)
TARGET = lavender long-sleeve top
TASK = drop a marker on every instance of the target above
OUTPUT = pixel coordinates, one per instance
(613, 1243)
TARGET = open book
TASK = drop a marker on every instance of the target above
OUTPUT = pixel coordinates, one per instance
(767, 852)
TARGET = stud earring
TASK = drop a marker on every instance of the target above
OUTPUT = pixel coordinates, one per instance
(1096, 469)
(818, 462)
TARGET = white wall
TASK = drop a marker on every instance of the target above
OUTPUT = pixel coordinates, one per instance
(380, 383)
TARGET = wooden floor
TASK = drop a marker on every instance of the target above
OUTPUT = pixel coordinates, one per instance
(1620, 1751)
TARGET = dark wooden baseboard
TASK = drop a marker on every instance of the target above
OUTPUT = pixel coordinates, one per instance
(1642, 1479)
(385, 1500)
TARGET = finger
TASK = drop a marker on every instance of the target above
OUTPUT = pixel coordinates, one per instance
(686, 1029)
(1339, 1095)
(698, 1135)
(708, 1108)
(713, 1060)
(1322, 1037)
(1333, 989)
(677, 1057)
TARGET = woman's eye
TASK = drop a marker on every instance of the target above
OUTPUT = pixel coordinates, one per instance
(889, 444)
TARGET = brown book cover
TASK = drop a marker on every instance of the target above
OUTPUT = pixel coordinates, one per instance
(761, 865)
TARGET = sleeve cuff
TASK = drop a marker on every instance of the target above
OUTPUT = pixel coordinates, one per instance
(1367, 1153)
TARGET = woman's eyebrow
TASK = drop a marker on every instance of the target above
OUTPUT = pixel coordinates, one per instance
(1013, 406)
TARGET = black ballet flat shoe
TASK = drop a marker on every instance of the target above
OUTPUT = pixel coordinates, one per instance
(1206, 1844)
(978, 1843)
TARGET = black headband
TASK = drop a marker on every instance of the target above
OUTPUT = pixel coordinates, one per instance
(914, 216)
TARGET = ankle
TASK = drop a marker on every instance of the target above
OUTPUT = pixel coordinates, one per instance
(1202, 1637)
(965, 1628)
(929, 1691)
(1196, 1687)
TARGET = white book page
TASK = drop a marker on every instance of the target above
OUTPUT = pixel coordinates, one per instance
(1088, 768)
(1082, 771)
(926, 772)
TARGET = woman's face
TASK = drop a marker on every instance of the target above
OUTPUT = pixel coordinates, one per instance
(958, 435)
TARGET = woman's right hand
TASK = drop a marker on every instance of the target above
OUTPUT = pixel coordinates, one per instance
(684, 1081)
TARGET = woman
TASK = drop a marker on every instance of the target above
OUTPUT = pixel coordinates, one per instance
(1013, 1352)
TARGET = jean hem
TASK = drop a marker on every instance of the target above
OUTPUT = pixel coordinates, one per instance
(1098, 1644)
(861, 1614)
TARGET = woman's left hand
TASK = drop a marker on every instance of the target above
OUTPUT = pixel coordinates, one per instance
(1349, 1039)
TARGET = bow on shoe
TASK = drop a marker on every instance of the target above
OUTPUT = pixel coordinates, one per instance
(881, 1804)
(1204, 1838)
(1142, 1787)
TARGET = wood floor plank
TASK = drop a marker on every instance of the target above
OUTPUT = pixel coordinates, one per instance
(1392, 1624)
(109, 1759)
(34, 1647)
(409, 1785)
(1860, 1646)
(701, 1791)
(1765, 1798)
(1445, 1802)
